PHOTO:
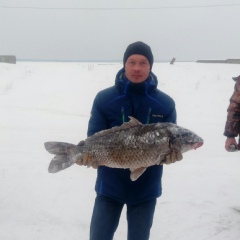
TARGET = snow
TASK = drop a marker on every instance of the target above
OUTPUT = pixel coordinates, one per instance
(48, 101)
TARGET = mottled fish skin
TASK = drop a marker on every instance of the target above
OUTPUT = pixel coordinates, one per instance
(132, 145)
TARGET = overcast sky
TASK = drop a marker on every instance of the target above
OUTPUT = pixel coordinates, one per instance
(100, 30)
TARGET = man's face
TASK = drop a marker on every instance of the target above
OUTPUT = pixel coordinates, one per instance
(137, 68)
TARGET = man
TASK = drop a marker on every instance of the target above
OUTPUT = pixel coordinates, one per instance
(232, 126)
(134, 94)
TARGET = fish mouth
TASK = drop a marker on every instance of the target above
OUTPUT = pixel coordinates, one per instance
(197, 145)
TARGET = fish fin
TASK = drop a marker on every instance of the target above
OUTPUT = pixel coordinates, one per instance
(136, 173)
(59, 163)
(58, 147)
(94, 165)
(62, 157)
(132, 123)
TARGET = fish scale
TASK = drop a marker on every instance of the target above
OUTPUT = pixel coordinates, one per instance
(119, 151)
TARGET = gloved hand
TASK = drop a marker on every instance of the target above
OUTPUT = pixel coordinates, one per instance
(172, 157)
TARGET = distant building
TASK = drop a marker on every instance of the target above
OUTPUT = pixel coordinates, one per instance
(233, 60)
(236, 61)
(8, 59)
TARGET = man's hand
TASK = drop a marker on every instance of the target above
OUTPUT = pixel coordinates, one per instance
(172, 157)
(230, 143)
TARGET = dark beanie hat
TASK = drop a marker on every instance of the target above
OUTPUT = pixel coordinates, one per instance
(138, 48)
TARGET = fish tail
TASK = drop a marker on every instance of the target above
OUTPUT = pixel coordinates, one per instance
(63, 158)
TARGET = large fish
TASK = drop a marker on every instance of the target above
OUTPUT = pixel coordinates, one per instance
(132, 145)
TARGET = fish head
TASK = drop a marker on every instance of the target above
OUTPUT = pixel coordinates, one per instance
(183, 140)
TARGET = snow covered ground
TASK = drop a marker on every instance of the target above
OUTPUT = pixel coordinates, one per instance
(44, 101)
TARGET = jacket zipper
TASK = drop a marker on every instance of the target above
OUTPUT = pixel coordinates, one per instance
(149, 115)
(123, 115)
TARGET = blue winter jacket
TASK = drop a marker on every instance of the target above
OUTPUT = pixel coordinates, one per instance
(111, 107)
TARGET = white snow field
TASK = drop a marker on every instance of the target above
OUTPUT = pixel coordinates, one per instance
(51, 101)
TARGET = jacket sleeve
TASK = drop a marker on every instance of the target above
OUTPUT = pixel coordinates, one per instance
(233, 116)
(172, 117)
(98, 120)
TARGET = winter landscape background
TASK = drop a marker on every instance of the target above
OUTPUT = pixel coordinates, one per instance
(48, 101)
